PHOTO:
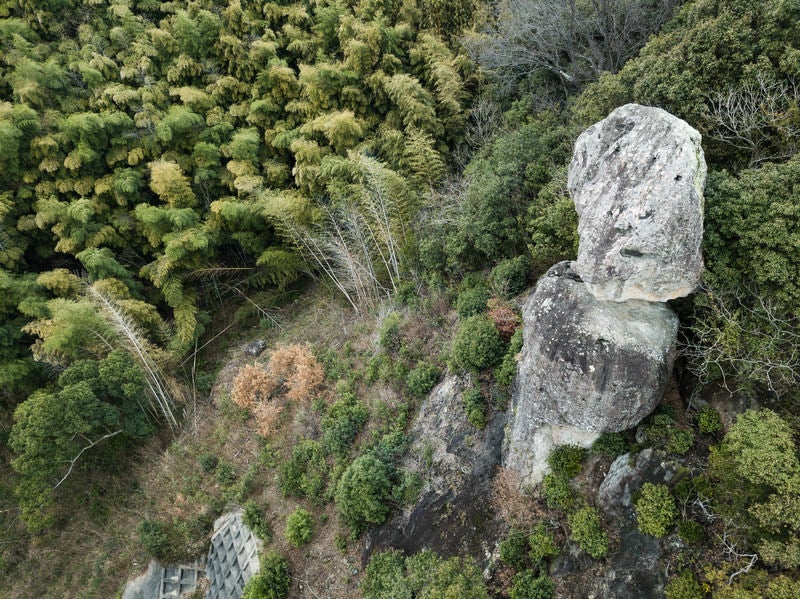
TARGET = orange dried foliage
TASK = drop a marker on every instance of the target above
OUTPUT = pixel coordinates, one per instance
(298, 369)
(267, 414)
(505, 320)
(292, 370)
(509, 501)
(252, 384)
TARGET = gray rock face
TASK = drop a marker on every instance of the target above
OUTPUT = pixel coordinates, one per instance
(452, 514)
(637, 181)
(594, 365)
(625, 477)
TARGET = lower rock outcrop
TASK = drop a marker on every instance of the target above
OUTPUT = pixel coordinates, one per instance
(593, 365)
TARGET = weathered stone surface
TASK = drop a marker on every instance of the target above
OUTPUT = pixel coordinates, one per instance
(452, 514)
(594, 365)
(634, 570)
(637, 181)
(255, 348)
(529, 443)
(625, 477)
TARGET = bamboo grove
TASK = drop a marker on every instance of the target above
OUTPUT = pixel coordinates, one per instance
(154, 153)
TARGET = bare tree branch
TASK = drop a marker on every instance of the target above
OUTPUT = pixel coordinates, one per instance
(80, 453)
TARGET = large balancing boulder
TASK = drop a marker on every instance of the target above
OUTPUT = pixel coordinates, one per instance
(593, 365)
(637, 180)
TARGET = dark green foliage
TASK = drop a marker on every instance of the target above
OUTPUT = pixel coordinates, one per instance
(389, 333)
(513, 549)
(504, 177)
(750, 219)
(391, 576)
(691, 531)
(504, 374)
(531, 585)
(684, 586)
(254, 518)
(542, 544)
(154, 538)
(208, 462)
(225, 473)
(422, 378)
(475, 407)
(655, 510)
(363, 492)
(472, 301)
(587, 530)
(712, 47)
(273, 579)
(611, 444)
(557, 493)
(665, 432)
(342, 423)
(708, 421)
(477, 344)
(510, 276)
(565, 460)
(178, 540)
(305, 473)
(299, 527)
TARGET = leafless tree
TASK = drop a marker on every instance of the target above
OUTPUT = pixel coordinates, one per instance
(743, 341)
(573, 40)
(760, 117)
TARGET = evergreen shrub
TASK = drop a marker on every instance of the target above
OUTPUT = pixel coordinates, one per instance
(422, 378)
(472, 301)
(530, 585)
(587, 531)
(475, 407)
(477, 344)
(299, 527)
(565, 460)
(510, 277)
(655, 510)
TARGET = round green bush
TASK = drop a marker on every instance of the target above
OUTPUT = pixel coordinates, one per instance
(684, 586)
(471, 301)
(299, 527)
(253, 517)
(680, 441)
(363, 492)
(513, 548)
(708, 421)
(272, 581)
(510, 277)
(529, 585)
(565, 460)
(389, 336)
(542, 544)
(587, 531)
(611, 444)
(655, 510)
(422, 378)
(477, 345)
(556, 492)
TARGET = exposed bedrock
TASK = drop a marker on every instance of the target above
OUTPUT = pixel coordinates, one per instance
(637, 180)
(587, 366)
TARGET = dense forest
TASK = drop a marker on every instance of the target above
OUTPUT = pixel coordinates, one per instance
(177, 175)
